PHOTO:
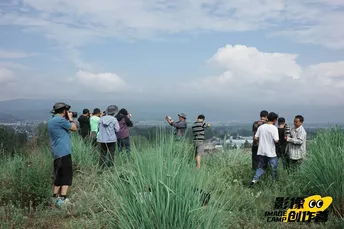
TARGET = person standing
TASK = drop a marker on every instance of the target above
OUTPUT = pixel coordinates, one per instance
(94, 121)
(296, 143)
(267, 136)
(108, 127)
(198, 133)
(58, 129)
(84, 122)
(123, 135)
(256, 124)
(180, 126)
(283, 131)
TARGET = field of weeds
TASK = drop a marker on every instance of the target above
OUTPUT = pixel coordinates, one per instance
(161, 188)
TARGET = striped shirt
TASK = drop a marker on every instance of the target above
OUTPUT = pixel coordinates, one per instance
(296, 147)
(198, 131)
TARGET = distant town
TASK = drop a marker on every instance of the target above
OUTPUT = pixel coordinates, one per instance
(233, 134)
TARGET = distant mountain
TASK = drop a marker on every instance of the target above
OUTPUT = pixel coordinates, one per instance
(8, 118)
(39, 109)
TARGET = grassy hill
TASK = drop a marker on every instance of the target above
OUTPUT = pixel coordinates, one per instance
(120, 198)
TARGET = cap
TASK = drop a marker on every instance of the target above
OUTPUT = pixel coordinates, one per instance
(182, 115)
(111, 110)
(60, 105)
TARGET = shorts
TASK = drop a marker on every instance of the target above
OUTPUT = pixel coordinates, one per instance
(63, 171)
(199, 149)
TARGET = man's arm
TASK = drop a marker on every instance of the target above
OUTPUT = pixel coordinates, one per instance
(256, 135)
(128, 121)
(116, 126)
(299, 139)
(206, 125)
(179, 124)
(73, 128)
(69, 125)
(276, 135)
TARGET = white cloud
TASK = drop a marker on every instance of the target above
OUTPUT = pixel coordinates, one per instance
(100, 82)
(6, 54)
(6, 75)
(249, 74)
(78, 22)
(242, 60)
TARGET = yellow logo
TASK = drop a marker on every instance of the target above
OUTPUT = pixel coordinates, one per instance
(308, 209)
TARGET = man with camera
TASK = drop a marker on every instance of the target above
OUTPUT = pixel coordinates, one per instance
(180, 126)
(84, 122)
(59, 127)
(123, 135)
(198, 133)
(108, 126)
(94, 121)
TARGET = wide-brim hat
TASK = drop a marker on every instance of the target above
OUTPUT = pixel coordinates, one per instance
(111, 110)
(182, 115)
(60, 105)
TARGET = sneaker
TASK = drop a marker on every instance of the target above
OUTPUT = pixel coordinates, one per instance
(252, 183)
(61, 202)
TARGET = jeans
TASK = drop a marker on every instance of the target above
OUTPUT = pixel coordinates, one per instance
(124, 144)
(105, 150)
(263, 162)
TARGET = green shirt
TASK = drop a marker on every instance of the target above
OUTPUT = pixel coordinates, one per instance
(94, 120)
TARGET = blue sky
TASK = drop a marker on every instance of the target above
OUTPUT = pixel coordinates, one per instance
(237, 51)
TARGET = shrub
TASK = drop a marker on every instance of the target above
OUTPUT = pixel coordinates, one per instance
(27, 180)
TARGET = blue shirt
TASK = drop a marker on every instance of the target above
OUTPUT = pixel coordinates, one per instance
(58, 128)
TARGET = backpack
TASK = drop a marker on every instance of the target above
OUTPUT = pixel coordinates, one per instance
(255, 126)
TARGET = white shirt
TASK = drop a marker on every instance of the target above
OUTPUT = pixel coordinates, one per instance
(267, 134)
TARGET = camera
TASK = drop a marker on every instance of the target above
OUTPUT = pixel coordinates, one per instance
(74, 114)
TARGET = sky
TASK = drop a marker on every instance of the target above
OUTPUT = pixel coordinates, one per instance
(220, 52)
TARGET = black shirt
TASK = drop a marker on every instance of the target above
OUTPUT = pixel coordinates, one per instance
(281, 135)
(85, 126)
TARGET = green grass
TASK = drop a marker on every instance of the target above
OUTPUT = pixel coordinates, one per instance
(324, 170)
(112, 199)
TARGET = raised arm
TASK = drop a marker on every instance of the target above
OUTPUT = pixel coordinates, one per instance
(179, 124)
(128, 121)
(69, 125)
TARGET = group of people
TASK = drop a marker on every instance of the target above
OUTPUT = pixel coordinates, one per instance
(106, 129)
(271, 143)
(111, 128)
